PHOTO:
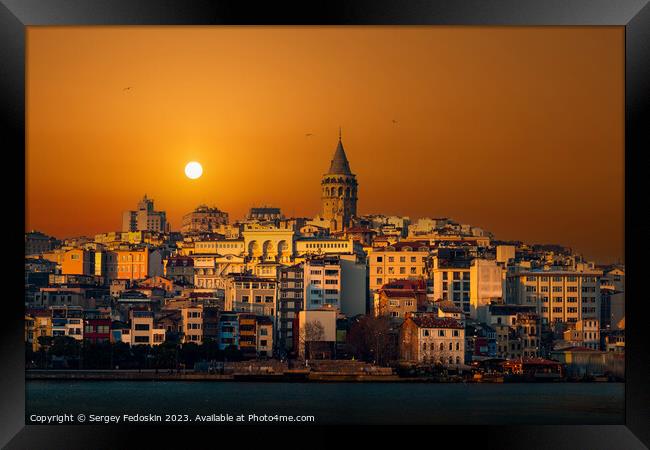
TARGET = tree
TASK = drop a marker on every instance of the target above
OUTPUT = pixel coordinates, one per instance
(121, 355)
(65, 346)
(165, 355)
(310, 333)
(232, 353)
(96, 356)
(190, 354)
(371, 339)
(210, 350)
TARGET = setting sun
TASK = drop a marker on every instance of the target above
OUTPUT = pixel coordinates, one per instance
(193, 170)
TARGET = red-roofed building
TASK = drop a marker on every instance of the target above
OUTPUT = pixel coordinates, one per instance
(400, 298)
(395, 303)
(426, 338)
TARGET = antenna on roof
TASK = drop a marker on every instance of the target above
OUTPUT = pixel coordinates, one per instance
(339, 132)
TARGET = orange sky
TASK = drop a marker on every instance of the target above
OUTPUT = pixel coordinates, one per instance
(517, 130)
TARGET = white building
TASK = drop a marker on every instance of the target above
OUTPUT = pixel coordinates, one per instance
(268, 243)
(145, 218)
(316, 332)
(452, 281)
(192, 324)
(220, 247)
(251, 294)
(323, 246)
(486, 285)
(142, 331)
(210, 270)
(322, 283)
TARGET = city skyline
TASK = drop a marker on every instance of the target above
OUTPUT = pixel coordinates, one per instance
(106, 153)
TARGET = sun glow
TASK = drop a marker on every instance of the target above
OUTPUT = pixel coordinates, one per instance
(193, 170)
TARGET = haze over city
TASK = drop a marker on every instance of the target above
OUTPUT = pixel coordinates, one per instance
(516, 130)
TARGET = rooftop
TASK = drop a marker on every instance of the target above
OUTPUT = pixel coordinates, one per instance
(417, 284)
(430, 321)
(398, 293)
(448, 306)
(339, 164)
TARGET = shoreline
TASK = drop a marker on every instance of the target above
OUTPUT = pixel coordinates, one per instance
(291, 376)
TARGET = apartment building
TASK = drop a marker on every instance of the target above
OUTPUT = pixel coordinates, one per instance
(583, 333)
(179, 269)
(518, 329)
(97, 327)
(290, 303)
(38, 323)
(192, 324)
(452, 281)
(250, 294)
(78, 262)
(138, 263)
(67, 321)
(228, 330)
(486, 286)
(401, 260)
(142, 330)
(144, 218)
(322, 283)
(395, 303)
(264, 330)
(566, 296)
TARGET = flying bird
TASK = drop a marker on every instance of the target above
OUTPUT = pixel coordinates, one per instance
(308, 134)
(127, 88)
(394, 121)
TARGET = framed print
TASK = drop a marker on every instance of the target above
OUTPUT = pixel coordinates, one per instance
(358, 214)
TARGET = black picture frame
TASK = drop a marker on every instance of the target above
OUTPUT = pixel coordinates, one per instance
(634, 15)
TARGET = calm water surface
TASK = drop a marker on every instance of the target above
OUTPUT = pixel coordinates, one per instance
(340, 403)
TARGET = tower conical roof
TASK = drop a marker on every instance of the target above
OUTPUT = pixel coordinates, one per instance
(340, 164)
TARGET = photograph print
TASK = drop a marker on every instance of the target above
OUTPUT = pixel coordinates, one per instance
(325, 225)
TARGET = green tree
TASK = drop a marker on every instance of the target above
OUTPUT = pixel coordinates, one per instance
(65, 346)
